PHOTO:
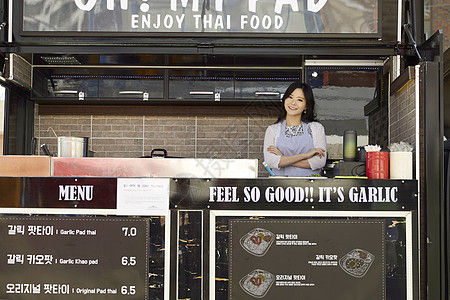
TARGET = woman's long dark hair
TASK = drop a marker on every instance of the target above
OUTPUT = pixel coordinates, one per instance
(310, 114)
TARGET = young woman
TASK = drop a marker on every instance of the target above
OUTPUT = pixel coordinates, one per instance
(296, 145)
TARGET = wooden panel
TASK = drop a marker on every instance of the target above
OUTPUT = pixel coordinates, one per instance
(24, 166)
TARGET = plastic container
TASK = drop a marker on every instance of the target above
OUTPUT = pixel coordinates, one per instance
(377, 165)
(400, 165)
(349, 149)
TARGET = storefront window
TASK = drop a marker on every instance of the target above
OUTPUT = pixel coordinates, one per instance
(341, 94)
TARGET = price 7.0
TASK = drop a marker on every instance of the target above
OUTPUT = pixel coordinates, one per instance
(129, 231)
(128, 261)
(128, 290)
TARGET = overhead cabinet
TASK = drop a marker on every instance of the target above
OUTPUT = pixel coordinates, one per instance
(169, 85)
(91, 84)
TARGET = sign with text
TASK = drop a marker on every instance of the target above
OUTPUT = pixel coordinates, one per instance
(73, 258)
(194, 16)
(312, 259)
(59, 192)
(294, 194)
(143, 196)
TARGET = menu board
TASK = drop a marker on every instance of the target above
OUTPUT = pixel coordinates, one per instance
(62, 257)
(308, 259)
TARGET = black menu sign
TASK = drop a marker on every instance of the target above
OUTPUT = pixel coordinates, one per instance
(308, 259)
(73, 258)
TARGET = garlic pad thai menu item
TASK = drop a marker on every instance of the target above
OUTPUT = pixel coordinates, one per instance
(257, 241)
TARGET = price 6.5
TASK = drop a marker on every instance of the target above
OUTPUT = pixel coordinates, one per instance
(128, 261)
(129, 231)
(128, 290)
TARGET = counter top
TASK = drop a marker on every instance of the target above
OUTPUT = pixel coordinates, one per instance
(25, 166)
(41, 166)
(155, 167)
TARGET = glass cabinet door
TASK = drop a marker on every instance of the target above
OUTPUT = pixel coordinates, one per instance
(132, 87)
(72, 87)
(99, 83)
(201, 84)
(264, 84)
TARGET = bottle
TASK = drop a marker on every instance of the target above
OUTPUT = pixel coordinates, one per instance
(349, 150)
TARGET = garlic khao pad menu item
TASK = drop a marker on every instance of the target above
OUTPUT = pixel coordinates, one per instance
(357, 262)
(314, 258)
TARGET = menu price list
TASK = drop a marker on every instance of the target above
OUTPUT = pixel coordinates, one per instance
(63, 289)
(72, 257)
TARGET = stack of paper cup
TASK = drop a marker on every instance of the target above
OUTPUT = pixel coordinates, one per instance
(377, 165)
(400, 165)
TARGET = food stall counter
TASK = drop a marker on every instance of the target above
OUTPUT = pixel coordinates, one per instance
(155, 167)
(25, 166)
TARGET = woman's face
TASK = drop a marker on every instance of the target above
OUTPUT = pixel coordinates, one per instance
(295, 103)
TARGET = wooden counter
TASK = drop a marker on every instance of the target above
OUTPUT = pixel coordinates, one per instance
(25, 166)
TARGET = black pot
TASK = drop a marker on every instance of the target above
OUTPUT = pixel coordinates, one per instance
(159, 153)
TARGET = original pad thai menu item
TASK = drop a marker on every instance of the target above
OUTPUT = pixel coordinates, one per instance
(357, 262)
(257, 283)
(257, 241)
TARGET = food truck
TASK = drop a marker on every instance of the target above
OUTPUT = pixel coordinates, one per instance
(133, 151)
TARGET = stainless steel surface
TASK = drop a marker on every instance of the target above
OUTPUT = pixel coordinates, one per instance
(69, 146)
(155, 167)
